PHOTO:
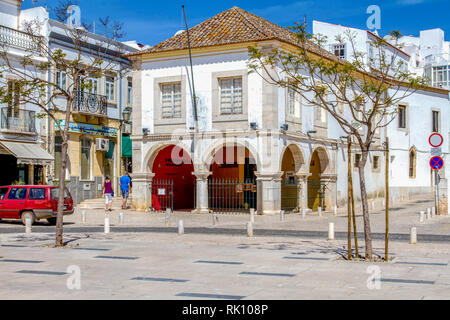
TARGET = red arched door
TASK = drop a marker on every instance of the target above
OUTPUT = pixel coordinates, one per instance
(175, 165)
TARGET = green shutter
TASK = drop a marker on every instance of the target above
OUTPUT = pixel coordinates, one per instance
(126, 147)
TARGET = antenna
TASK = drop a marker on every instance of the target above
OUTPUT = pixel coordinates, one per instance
(194, 101)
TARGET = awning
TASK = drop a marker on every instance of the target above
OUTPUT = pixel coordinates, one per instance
(126, 147)
(27, 153)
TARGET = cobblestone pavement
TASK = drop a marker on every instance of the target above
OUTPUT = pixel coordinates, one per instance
(170, 266)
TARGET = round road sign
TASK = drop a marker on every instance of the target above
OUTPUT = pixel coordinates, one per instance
(435, 140)
(436, 163)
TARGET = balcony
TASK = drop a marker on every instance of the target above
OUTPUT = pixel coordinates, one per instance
(90, 104)
(14, 120)
(19, 39)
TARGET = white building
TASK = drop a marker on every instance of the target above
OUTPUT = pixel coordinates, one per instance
(21, 157)
(98, 116)
(266, 147)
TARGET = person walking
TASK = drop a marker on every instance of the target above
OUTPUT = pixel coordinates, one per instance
(125, 185)
(108, 192)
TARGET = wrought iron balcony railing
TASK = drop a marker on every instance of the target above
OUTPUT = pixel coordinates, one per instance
(19, 39)
(18, 120)
(94, 104)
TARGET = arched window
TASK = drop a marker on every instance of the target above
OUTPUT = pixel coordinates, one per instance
(412, 163)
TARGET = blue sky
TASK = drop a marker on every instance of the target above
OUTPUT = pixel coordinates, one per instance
(151, 22)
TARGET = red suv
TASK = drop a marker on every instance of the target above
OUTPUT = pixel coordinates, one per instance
(35, 202)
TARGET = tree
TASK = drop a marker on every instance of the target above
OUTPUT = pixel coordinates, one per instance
(91, 56)
(361, 93)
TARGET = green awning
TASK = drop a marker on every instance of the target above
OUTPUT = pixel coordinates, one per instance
(126, 147)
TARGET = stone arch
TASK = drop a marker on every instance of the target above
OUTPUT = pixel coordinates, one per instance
(324, 158)
(213, 148)
(298, 155)
(156, 148)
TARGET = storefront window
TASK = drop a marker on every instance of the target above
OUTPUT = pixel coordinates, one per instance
(85, 159)
(109, 161)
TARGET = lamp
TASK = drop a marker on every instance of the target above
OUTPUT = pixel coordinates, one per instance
(145, 131)
(253, 125)
(284, 127)
(126, 114)
(311, 132)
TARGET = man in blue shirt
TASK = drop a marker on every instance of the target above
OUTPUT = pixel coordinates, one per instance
(125, 185)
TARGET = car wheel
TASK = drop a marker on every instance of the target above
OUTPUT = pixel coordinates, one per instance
(30, 215)
(52, 221)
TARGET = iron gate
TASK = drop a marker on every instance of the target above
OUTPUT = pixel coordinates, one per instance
(231, 195)
(162, 194)
(316, 194)
(289, 195)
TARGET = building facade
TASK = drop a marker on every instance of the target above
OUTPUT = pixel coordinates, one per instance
(99, 126)
(22, 153)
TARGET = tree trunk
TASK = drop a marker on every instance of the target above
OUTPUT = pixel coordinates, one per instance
(362, 183)
(62, 179)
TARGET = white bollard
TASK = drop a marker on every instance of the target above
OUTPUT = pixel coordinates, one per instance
(431, 212)
(303, 212)
(428, 213)
(384, 202)
(320, 211)
(413, 237)
(335, 210)
(433, 209)
(422, 216)
(282, 215)
(27, 225)
(373, 205)
(107, 228)
(180, 227)
(331, 231)
(249, 229)
(252, 215)
(83, 216)
(121, 217)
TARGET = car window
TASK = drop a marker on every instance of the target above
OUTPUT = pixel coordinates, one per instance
(17, 194)
(36, 194)
(55, 194)
(3, 192)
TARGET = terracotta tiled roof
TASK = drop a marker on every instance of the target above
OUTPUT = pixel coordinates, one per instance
(229, 27)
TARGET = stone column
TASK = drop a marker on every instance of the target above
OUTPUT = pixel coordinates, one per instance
(302, 196)
(142, 191)
(201, 193)
(330, 191)
(269, 192)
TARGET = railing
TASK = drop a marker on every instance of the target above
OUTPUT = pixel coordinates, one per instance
(162, 194)
(90, 103)
(19, 39)
(231, 196)
(18, 120)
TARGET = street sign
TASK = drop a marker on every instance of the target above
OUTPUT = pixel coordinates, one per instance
(436, 152)
(435, 140)
(436, 163)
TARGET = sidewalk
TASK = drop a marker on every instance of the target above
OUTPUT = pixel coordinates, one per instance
(403, 216)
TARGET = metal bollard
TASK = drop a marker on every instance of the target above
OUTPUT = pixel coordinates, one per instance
(335, 210)
(83, 216)
(215, 219)
(121, 217)
(167, 218)
(303, 212)
(252, 215)
(422, 216)
(282, 215)
(249, 229)
(413, 236)
(331, 231)
(27, 225)
(180, 227)
(320, 211)
(107, 228)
